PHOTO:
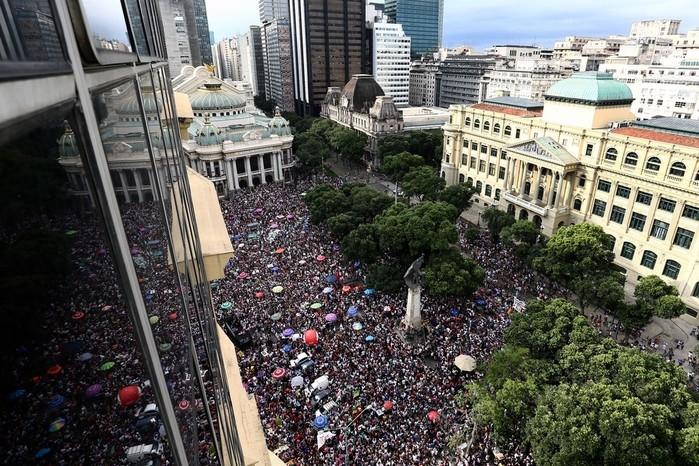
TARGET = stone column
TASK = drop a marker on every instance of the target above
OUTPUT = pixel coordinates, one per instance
(139, 191)
(535, 186)
(508, 175)
(261, 164)
(413, 317)
(569, 192)
(124, 186)
(275, 173)
(235, 173)
(523, 179)
(248, 171)
(552, 187)
(229, 175)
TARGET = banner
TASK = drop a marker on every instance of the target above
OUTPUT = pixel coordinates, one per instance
(519, 305)
(324, 436)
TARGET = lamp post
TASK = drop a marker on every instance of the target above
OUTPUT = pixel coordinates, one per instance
(345, 430)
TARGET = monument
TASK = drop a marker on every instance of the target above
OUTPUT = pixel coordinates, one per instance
(412, 322)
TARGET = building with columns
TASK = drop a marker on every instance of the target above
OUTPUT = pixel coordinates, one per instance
(581, 156)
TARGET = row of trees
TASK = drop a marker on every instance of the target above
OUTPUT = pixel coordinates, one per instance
(427, 144)
(313, 145)
(388, 236)
(576, 398)
(581, 257)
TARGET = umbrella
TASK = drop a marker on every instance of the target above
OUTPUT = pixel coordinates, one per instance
(17, 394)
(320, 422)
(227, 305)
(274, 225)
(57, 425)
(465, 363)
(287, 332)
(183, 405)
(332, 317)
(368, 292)
(259, 294)
(56, 401)
(106, 308)
(78, 315)
(386, 308)
(316, 306)
(290, 216)
(277, 289)
(243, 275)
(433, 416)
(276, 316)
(42, 453)
(54, 370)
(327, 290)
(278, 373)
(275, 269)
(301, 262)
(310, 337)
(107, 366)
(352, 311)
(357, 326)
(93, 390)
(129, 395)
(71, 232)
(454, 312)
(165, 346)
(320, 258)
(297, 382)
(258, 211)
(346, 288)
(85, 357)
(369, 338)
(153, 320)
(286, 348)
(172, 316)
(387, 405)
(330, 278)
(279, 251)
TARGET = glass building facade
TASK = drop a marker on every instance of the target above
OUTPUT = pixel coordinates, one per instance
(422, 21)
(112, 352)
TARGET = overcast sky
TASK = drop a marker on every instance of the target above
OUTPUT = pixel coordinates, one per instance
(483, 23)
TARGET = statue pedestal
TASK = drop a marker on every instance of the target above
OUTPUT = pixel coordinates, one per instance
(413, 318)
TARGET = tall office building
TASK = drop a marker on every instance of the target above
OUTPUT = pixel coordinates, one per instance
(228, 59)
(251, 64)
(328, 39)
(186, 33)
(201, 21)
(422, 20)
(391, 61)
(278, 66)
(273, 9)
(464, 78)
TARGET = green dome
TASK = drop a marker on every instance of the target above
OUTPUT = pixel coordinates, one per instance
(590, 88)
(129, 106)
(278, 125)
(208, 134)
(212, 97)
(67, 145)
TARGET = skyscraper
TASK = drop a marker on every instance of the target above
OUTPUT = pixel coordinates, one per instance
(328, 38)
(279, 79)
(201, 21)
(186, 33)
(251, 65)
(391, 61)
(273, 9)
(422, 20)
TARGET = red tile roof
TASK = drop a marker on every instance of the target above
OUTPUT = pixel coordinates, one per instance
(660, 136)
(521, 112)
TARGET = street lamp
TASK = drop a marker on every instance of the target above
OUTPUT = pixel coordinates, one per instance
(346, 428)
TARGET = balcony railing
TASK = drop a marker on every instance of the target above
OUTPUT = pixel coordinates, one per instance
(529, 205)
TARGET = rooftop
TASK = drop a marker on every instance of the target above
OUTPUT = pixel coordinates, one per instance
(517, 102)
(671, 125)
(591, 88)
(660, 136)
(508, 110)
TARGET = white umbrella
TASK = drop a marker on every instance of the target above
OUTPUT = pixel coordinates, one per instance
(465, 363)
(297, 382)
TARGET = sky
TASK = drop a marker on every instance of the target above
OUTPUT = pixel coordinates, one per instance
(481, 24)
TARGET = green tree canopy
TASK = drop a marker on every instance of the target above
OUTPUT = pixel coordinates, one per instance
(496, 220)
(361, 244)
(398, 165)
(385, 277)
(656, 297)
(325, 202)
(521, 231)
(348, 143)
(423, 182)
(322, 127)
(311, 152)
(367, 203)
(342, 224)
(452, 274)
(458, 195)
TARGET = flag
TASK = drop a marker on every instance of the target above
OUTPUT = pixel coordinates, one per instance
(519, 305)
(324, 436)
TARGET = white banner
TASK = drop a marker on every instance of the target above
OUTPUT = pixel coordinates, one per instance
(324, 436)
(519, 305)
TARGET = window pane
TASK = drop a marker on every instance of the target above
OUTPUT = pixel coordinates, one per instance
(107, 24)
(33, 33)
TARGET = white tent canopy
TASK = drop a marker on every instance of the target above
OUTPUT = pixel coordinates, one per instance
(465, 363)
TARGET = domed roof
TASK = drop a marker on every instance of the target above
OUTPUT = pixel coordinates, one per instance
(129, 106)
(212, 97)
(361, 92)
(67, 145)
(278, 125)
(591, 88)
(208, 134)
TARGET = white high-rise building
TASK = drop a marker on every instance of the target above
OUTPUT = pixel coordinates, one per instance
(251, 69)
(391, 61)
(654, 28)
(228, 58)
(273, 9)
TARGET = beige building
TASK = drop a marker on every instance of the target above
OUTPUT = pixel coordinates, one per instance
(581, 157)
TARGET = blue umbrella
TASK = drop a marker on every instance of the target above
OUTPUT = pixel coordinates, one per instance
(320, 422)
(368, 292)
(357, 264)
(17, 394)
(275, 269)
(369, 338)
(286, 348)
(454, 312)
(42, 453)
(56, 401)
(480, 302)
(352, 311)
(330, 279)
(85, 357)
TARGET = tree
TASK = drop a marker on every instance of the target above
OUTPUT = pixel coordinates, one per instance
(423, 182)
(521, 232)
(326, 203)
(266, 106)
(322, 127)
(300, 125)
(451, 274)
(392, 144)
(312, 152)
(361, 244)
(458, 195)
(656, 297)
(398, 165)
(342, 224)
(366, 203)
(385, 277)
(496, 220)
(428, 144)
(350, 144)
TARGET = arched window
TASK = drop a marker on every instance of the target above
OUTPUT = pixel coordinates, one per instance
(508, 131)
(469, 180)
(653, 164)
(581, 181)
(462, 178)
(496, 128)
(479, 186)
(497, 194)
(476, 123)
(488, 190)
(611, 154)
(696, 177)
(628, 250)
(467, 121)
(671, 269)
(648, 259)
(486, 125)
(631, 159)
(677, 169)
(577, 204)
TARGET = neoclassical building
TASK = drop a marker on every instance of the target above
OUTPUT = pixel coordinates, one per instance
(581, 156)
(224, 137)
(362, 106)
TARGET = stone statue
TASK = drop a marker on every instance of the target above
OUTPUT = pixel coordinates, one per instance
(413, 276)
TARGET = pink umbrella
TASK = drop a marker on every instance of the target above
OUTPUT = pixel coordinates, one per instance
(332, 317)
(258, 211)
(183, 405)
(274, 225)
(433, 416)
(259, 294)
(278, 373)
(290, 216)
(320, 258)
(93, 390)
(346, 288)
(78, 315)
(243, 275)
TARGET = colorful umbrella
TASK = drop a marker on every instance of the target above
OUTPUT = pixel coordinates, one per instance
(346, 288)
(259, 294)
(106, 308)
(227, 305)
(54, 370)
(276, 316)
(316, 306)
(327, 290)
(330, 278)
(277, 289)
(332, 317)
(78, 315)
(153, 320)
(107, 366)
(454, 312)
(369, 292)
(56, 401)
(357, 326)
(85, 357)
(369, 338)
(287, 332)
(172, 316)
(278, 373)
(71, 232)
(387, 405)
(286, 348)
(129, 395)
(386, 308)
(165, 347)
(183, 405)
(310, 337)
(297, 382)
(93, 390)
(290, 216)
(320, 422)
(320, 258)
(42, 453)
(243, 275)
(352, 311)
(433, 416)
(274, 225)
(57, 425)
(258, 211)
(17, 394)
(465, 363)
(280, 251)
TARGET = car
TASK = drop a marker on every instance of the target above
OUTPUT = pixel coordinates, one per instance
(326, 408)
(319, 397)
(144, 453)
(303, 361)
(147, 419)
(321, 383)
